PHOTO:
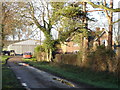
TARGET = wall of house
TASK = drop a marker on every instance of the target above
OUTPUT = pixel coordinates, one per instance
(63, 47)
(72, 47)
(104, 38)
(19, 49)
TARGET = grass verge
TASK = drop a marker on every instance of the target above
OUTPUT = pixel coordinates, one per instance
(9, 79)
(77, 74)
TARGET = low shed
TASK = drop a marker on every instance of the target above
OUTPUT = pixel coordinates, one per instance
(24, 46)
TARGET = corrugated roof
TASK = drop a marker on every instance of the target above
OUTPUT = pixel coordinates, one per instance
(28, 42)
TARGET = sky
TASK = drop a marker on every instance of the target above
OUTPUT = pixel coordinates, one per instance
(102, 21)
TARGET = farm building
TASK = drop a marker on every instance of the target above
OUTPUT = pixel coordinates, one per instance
(24, 46)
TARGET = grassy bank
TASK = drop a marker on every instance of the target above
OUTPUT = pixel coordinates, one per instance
(9, 79)
(77, 74)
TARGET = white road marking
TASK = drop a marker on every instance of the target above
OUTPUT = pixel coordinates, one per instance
(28, 88)
(18, 77)
(23, 64)
(24, 84)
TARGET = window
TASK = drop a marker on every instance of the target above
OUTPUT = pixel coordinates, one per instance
(104, 42)
(76, 51)
(75, 45)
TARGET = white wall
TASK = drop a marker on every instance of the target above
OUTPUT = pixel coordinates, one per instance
(19, 49)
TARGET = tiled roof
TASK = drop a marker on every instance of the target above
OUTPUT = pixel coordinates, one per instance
(100, 35)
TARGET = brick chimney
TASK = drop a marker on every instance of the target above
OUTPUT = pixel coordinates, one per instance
(103, 29)
(97, 28)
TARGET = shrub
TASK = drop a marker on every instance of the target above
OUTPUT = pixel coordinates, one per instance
(40, 53)
(39, 48)
(40, 56)
(102, 59)
(66, 58)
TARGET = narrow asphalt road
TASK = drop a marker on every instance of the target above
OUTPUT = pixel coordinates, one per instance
(31, 77)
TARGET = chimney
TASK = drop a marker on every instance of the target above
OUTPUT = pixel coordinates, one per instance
(103, 29)
(97, 28)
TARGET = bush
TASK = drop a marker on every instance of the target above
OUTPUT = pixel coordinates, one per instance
(39, 48)
(103, 59)
(66, 58)
(40, 53)
(40, 56)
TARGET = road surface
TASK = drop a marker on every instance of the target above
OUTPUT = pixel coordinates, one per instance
(31, 77)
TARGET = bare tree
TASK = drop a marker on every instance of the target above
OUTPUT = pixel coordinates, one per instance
(41, 16)
(8, 21)
(108, 9)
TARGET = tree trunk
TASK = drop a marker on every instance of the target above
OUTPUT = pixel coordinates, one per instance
(86, 45)
(85, 40)
(2, 36)
(47, 56)
(110, 36)
(110, 26)
(50, 56)
(118, 52)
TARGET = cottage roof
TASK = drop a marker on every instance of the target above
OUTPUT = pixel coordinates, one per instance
(100, 35)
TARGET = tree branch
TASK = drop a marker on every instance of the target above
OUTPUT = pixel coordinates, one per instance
(94, 10)
(102, 7)
(43, 29)
(106, 12)
(26, 16)
(116, 21)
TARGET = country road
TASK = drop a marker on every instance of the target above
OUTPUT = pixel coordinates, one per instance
(31, 77)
